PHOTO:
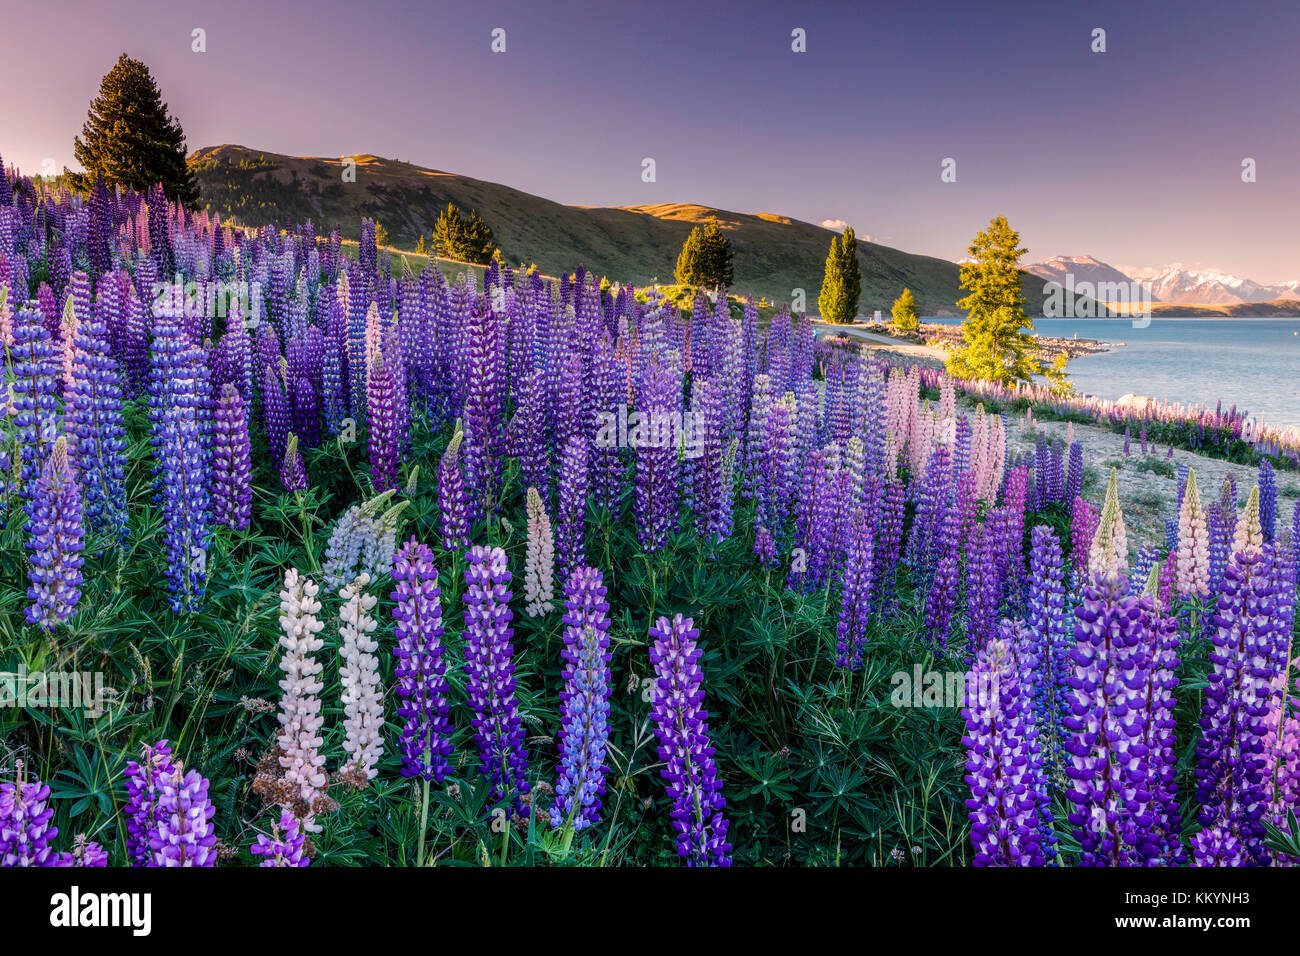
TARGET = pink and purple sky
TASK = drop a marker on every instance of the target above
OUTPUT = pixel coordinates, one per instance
(1133, 155)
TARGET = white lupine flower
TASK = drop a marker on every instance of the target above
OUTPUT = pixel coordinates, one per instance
(300, 718)
(363, 701)
(539, 565)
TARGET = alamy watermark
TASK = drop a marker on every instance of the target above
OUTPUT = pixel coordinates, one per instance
(658, 428)
(66, 690)
(1094, 300)
(920, 688)
(212, 300)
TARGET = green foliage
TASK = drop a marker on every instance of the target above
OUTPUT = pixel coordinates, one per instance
(470, 240)
(841, 282)
(705, 259)
(1058, 379)
(130, 140)
(904, 312)
(996, 347)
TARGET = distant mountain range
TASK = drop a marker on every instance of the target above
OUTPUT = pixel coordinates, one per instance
(774, 254)
(1172, 284)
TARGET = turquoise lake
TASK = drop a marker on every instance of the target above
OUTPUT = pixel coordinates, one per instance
(1254, 363)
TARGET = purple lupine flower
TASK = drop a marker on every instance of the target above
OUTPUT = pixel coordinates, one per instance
(764, 546)
(571, 520)
(56, 537)
(584, 702)
(1268, 500)
(1074, 475)
(1159, 703)
(180, 410)
(855, 603)
(531, 433)
(657, 474)
(284, 847)
(384, 439)
(1050, 636)
(232, 493)
(983, 585)
(84, 852)
(1004, 766)
(36, 372)
(1252, 622)
(1083, 528)
(453, 500)
(483, 407)
(293, 472)
(690, 774)
(96, 437)
(420, 670)
(276, 412)
(25, 830)
(1110, 765)
(942, 596)
(142, 789)
(889, 541)
(184, 835)
(490, 676)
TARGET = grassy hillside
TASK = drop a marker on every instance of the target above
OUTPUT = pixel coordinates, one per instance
(637, 244)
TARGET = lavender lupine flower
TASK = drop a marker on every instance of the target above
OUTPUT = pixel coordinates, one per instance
(232, 493)
(1074, 475)
(1111, 766)
(531, 432)
(1050, 637)
(384, 439)
(179, 409)
(420, 670)
(25, 830)
(764, 546)
(275, 407)
(1251, 624)
(284, 847)
(1159, 704)
(293, 473)
(584, 702)
(855, 603)
(1004, 768)
(362, 697)
(96, 438)
(490, 675)
(142, 790)
(84, 852)
(689, 774)
(453, 500)
(56, 537)
(483, 406)
(1268, 500)
(942, 596)
(657, 490)
(299, 740)
(571, 524)
(983, 585)
(36, 372)
(539, 564)
(889, 541)
(184, 835)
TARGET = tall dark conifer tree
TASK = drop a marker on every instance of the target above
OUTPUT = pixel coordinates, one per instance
(130, 140)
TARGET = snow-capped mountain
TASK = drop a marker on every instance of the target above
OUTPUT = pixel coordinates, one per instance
(1085, 269)
(1174, 283)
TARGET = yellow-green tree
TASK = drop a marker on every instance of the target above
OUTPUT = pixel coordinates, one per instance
(904, 312)
(841, 282)
(1058, 379)
(705, 259)
(995, 346)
